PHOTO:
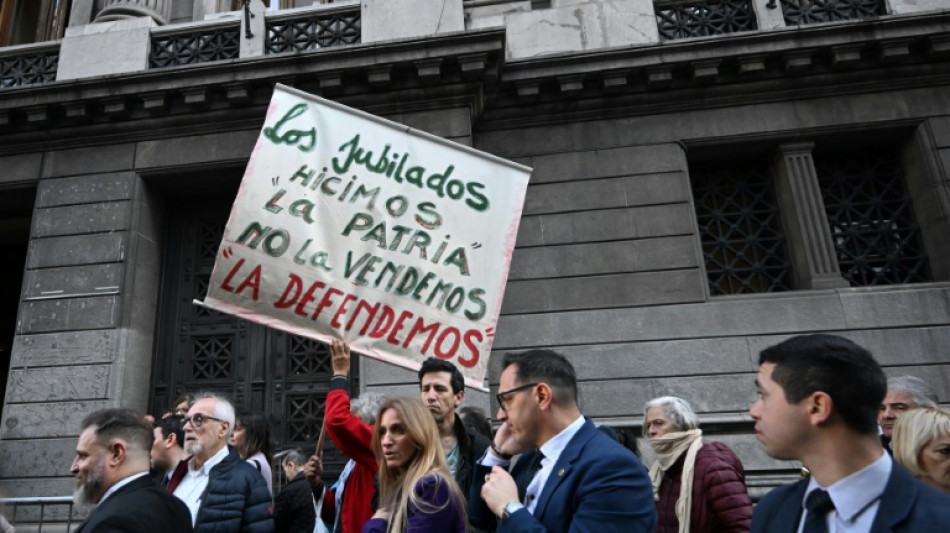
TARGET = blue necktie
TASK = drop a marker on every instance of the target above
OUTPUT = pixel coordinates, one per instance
(818, 503)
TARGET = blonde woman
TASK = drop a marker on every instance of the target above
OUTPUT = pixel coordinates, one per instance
(921, 441)
(416, 491)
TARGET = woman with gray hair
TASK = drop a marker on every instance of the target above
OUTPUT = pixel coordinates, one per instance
(699, 488)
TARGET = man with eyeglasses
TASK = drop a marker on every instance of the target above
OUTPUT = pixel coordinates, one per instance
(111, 470)
(223, 493)
(571, 476)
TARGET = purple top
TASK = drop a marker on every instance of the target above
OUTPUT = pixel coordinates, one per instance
(433, 490)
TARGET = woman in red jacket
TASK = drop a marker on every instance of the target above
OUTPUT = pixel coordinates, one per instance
(699, 488)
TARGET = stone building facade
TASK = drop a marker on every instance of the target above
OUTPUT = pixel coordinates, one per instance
(710, 177)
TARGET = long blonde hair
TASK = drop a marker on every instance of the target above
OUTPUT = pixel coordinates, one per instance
(396, 487)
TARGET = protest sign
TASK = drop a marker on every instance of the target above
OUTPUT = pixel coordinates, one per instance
(350, 226)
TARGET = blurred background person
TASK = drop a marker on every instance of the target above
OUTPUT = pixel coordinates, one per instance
(475, 420)
(252, 439)
(416, 490)
(168, 455)
(699, 488)
(293, 507)
(903, 393)
(922, 446)
(183, 403)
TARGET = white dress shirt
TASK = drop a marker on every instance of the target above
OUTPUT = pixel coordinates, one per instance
(193, 485)
(856, 497)
(552, 450)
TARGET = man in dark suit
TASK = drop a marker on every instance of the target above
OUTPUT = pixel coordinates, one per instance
(111, 469)
(571, 477)
(818, 402)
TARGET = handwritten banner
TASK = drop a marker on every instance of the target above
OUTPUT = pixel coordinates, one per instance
(350, 226)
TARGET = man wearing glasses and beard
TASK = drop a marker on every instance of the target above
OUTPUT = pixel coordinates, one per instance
(111, 471)
(224, 493)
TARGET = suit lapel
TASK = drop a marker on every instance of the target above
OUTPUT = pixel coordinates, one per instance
(896, 501)
(790, 511)
(564, 465)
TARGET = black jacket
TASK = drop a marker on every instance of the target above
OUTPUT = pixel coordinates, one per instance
(236, 499)
(472, 446)
(139, 507)
(293, 508)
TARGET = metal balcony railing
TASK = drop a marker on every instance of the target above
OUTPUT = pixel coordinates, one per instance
(312, 30)
(798, 12)
(681, 20)
(29, 66)
(195, 44)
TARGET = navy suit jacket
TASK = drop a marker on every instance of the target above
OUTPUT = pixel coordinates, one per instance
(907, 505)
(597, 485)
(141, 506)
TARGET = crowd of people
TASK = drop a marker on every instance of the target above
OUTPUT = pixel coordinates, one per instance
(876, 457)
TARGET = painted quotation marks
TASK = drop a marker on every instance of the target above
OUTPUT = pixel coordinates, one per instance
(227, 252)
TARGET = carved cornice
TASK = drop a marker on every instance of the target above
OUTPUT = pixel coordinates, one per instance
(383, 78)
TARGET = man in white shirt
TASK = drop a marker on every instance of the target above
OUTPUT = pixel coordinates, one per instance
(571, 476)
(818, 401)
(224, 493)
(111, 471)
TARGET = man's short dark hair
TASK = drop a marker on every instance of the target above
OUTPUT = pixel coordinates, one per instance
(836, 366)
(124, 424)
(173, 424)
(433, 364)
(545, 366)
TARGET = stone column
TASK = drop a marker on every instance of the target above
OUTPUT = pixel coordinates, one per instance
(806, 225)
(126, 9)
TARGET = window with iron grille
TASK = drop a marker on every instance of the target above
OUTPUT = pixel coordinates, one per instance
(707, 17)
(798, 12)
(740, 229)
(315, 31)
(876, 236)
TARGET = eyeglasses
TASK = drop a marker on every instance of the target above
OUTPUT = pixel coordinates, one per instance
(501, 395)
(198, 419)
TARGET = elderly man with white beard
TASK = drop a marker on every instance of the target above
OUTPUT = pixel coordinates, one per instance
(111, 471)
(224, 493)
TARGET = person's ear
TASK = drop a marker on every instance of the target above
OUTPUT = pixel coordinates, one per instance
(545, 396)
(820, 407)
(118, 451)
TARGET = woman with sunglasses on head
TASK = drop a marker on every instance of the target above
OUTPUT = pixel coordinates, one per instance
(252, 439)
(417, 493)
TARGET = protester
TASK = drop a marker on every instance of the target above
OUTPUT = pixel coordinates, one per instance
(475, 421)
(699, 487)
(111, 471)
(223, 493)
(903, 393)
(254, 443)
(349, 501)
(183, 403)
(922, 446)
(442, 389)
(597, 485)
(818, 398)
(293, 507)
(168, 454)
(416, 489)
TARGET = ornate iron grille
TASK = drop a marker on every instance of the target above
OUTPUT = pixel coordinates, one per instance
(212, 357)
(208, 240)
(315, 31)
(307, 357)
(876, 236)
(707, 17)
(28, 70)
(798, 12)
(195, 47)
(740, 229)
(304, 416)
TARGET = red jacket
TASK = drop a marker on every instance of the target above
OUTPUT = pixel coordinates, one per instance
(354, 438)
(720, 500)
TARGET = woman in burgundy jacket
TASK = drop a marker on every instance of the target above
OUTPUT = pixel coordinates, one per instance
(699, 487)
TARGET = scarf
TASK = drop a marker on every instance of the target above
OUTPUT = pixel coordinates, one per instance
(668, 449)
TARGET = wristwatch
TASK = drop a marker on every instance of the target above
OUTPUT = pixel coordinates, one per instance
(510, 509)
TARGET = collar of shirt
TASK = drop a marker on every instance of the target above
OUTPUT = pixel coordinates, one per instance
(854, 494)
(120, 484)
(210, 463)
(553, 447)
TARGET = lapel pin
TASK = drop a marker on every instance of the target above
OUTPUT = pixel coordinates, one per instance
(560, 472)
